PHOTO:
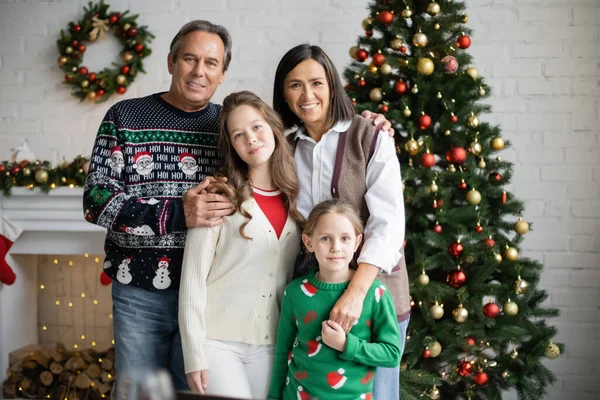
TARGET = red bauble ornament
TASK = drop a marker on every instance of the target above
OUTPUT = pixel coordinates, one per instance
(121, 89)
(455, 249)
(400, 87)
(368, 33)
(131, 32)
(504, 197)
(402, 49)
(456, 278)
(384, 108)
(378, 59)
(462, 185)
(105, 280)
(83, 71)
(77, 28)
(437, 228)
(427, 160)
(361, 55)
(435, 204)
(67, 78)
(81, 48)
(449, 64)
(470, 341)
(491, 310)
(24, 163)
(138, 47)
(463, 42)
(426, 353)
(453, 119)
(464, 368)
(362, 83)
(113, 19)
(2, 168)
(15, 170)
(99, 93)
(441, 202)
(481, 378)
(92, 76)
(75, 43)
(495, 177)
(479, 229)
(456, 155)
(489, 242)
(424, 121)
(386, 17)
(125, 69)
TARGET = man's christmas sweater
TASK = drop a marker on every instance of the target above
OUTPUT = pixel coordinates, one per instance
(306, 368)
(147, 154)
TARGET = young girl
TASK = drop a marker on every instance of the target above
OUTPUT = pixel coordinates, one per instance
(233, 275)
(314, 357)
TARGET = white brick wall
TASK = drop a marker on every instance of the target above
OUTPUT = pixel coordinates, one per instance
(541, 57)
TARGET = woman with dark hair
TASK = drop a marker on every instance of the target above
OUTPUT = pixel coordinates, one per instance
(341, 155)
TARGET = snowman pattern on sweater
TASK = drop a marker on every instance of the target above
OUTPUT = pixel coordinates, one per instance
(123, 275)
(162, 281)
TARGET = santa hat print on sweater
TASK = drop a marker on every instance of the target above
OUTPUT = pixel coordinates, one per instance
(302, 395)
(308, 289)
(336, 379)
(379, 292)
(142, 155)
(186, 157)
(366, 396)
(314, 346)
(116, 150)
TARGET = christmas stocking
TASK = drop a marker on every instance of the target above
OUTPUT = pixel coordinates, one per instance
(8, 234)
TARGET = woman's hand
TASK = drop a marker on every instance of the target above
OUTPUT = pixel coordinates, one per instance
(198, 381)
(333, 335)
(378, 119)
(347, 309)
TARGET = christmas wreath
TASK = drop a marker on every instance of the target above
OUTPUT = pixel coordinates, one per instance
(97, 20)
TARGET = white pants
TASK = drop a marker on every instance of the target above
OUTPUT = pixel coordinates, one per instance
(238, 370)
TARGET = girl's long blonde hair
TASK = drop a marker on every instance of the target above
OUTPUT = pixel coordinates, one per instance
(334, 206)
(282, 165)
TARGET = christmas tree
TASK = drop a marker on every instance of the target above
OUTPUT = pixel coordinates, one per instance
(478, 325)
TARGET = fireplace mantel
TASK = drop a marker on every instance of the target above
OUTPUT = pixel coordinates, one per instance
(50, 223)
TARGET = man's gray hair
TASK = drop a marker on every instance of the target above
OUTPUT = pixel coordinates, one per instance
(202, 26)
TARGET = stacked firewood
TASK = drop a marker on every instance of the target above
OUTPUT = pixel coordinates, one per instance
(36, 372)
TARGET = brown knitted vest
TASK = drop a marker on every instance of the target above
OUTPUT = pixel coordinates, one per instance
(355, 149)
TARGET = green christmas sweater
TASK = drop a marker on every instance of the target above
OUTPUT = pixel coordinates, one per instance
(306, 368)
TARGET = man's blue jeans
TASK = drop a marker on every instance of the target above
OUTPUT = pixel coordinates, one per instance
(146, 332)
(387, 380)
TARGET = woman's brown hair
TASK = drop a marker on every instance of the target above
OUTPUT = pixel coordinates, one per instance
(282, 164)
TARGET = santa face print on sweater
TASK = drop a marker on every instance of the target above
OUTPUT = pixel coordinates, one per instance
(143, 163)
(117, 162)
(188, 164)
(123, 275)
(162, 281)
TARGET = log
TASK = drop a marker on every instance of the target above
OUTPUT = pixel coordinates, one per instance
(40, 357)
(101, 387)
(76, 363)
(29, 364)
(83, 381)
(9, 390)
(46, 378)
(107, 364)
(17, 366)
(16, 378)
(56, 368)
(93, 371)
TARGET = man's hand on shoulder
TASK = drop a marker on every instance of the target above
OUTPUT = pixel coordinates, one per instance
(206, 209)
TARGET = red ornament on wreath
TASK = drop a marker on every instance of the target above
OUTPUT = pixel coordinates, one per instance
(378, 59)
(15, 170)
(463, 42)
(386, 17)
(456, 155)
(113, 19)
(83, 71)
(491, 310)
(2, 168)
(131, 32)
(121, 89)
(125, 69)
(92, 77)
(138, 47)
(456, 278)
(427, 160)
(455, 249)
(464, 368)
(400, 87)
(481, 378)
(424, 121)
(361, 55)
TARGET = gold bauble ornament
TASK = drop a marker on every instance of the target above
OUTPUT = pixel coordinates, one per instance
(436, 27)
(406, 112)
(373, 69)
(423, 279)
(521, 227)
(476, 148)
(465, 18)
(375, 94)
(473, 197)
(552, 351)
(41, 176)
(438, 95)
(419, 39)
(460, 314)
(511, 254)
(436, 311)
(481, 92)
(505, 374)
(425, 66)
(498, 257)
(472, 72)
(366, 23)
(85, 83)
(352, 51)
(91, 95)
(434, 394)
(121, 79)
(433, 188)
(472, 121)
(481, 164)
(435, 349)
(414, 89)
(451, 168)
(406, 13)
(510, 308)
(127, 56)
(497, 143)
(514, 354)
(447, 132)
(396, 44)
(62, 60)
(386, 69)
(26, 171)
(68, 49)
(521, 285)
(433, 8)
(412, 147)
(74, 69)
(126, 26)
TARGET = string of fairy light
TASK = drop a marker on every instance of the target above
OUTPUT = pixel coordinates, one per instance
(70, 304)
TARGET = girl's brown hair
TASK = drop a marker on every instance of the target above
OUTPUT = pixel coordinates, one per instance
(335, 206)
(283, 167)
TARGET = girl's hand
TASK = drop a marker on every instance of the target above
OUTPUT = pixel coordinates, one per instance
(347, 309)
(198, 381)
(333, 335)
